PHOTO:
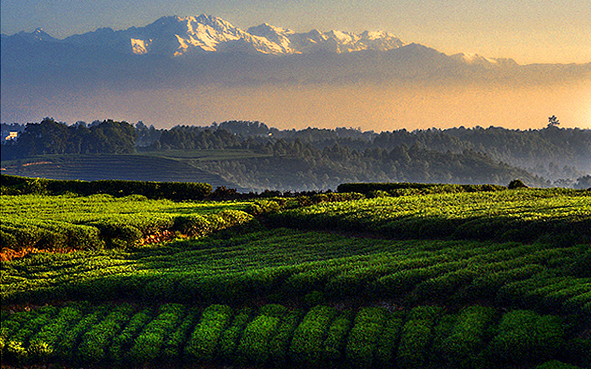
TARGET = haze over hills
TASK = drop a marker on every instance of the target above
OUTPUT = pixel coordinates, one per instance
(196, 70)
(252, 155)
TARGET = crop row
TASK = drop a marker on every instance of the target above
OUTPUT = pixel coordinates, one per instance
(313, 267)
(403, 188)
(526, 215)
(93, 222)
(152, 190)
(370, 337)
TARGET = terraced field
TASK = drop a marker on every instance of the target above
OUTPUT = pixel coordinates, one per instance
(124, 167)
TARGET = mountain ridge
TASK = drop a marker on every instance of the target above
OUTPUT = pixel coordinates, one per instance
(177, 36)
(203, 68)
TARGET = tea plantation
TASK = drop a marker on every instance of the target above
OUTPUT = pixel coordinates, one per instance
(428, 276)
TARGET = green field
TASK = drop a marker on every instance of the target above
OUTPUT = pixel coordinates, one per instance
(444, 280)
(555, 215)
(98, 221)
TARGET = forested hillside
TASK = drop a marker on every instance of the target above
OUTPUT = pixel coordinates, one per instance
(253, 156)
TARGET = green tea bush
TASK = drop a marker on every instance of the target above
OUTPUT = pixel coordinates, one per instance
(403, 281)
(441, 332)
(526, 337)
(422, 188)
(313, 298)
(147, 345)
(254, 344)
(17, 344)
(231, 336)
(199, 225)
(523, 216)
(461, 349)
(389, 340)
(555, 364)
(306, 345)
(32, 235)
(66, 348)
(416, 336)
(328, 197)
(443, 287)
(96, 221)
(95, 342)
(172, 349)
(192, 225)
(335, 342)
(8, 327)
(234, 217)
(364, 335)
(152, 190)
(259, 207)
(123, 342)
(580, 267)
(279, 344)
(377, 193)
(44, 343)
(489, 284)
(309, 282)
(9, 241)
(204, 339)
(119, 235)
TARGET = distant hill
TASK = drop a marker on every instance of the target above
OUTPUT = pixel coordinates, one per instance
(105, 166)
(253, 156)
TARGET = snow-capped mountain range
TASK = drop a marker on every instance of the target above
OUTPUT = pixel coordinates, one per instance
(177, 36)
(205, 49)
(180, 70)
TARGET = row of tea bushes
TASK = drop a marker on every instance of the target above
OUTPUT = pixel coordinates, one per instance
(118, 232)
(16, 185)
(369, 337)
(406, 188)
(311, 268)
(559, 216)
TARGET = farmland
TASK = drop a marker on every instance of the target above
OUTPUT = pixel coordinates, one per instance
(406, 279)
(101, 220)
(123, 166)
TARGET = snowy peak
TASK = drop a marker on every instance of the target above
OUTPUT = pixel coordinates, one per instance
(331, 41)
(380, 40)
(268, 31)
(210, 33)
(475, 59)
(177, 36)
(213, 34)
(37, 35)
(275, 35)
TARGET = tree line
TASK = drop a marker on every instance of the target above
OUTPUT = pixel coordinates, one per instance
(51, 137)
(323, 158)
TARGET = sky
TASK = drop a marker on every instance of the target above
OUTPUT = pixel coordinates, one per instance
(528, 31)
